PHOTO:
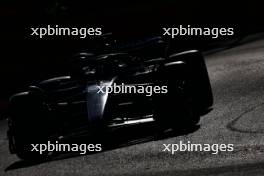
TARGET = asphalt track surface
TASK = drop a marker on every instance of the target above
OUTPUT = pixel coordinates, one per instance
(237, 78)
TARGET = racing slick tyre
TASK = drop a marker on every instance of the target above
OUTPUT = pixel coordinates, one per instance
(28, 125)
(189, 91)
(177, 113)
(198, 82)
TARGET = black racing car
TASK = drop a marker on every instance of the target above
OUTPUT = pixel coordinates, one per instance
(119, 85)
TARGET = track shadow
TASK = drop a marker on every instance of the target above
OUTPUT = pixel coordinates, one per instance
(119, 138)
(234, 170)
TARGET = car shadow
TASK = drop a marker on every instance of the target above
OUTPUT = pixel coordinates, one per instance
(118, 138)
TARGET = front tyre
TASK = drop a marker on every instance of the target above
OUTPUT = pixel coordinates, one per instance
(177, 112)
(28, 125)
(177, 108)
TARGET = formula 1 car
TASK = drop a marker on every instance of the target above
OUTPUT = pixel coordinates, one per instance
(116, 86)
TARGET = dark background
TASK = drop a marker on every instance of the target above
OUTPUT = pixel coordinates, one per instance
(25, 59)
